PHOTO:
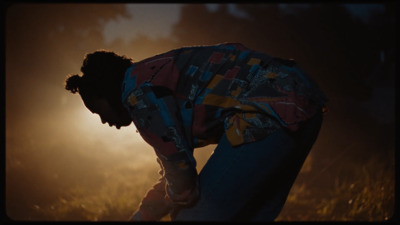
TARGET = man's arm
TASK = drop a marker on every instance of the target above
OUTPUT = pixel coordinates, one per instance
(157, 118)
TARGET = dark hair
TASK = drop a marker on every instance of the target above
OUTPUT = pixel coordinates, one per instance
(103, 72)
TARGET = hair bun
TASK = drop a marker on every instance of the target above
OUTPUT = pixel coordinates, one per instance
(72, 83)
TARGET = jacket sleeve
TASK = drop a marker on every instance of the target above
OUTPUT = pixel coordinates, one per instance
(158, 121)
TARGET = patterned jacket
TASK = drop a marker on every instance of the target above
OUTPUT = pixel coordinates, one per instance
(188, 97)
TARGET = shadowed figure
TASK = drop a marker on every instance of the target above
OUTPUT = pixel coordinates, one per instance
(264, 113)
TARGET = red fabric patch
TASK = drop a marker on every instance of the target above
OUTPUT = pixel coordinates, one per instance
(167, 77)
(216, 57)
(160, 69)
(199, 120)
(165, 148)
(293, 109)
(230, 74)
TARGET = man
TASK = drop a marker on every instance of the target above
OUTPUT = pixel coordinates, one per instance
(263, 112)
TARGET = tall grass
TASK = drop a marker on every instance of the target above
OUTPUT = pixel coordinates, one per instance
(351, 190)
(356, 187)
(114, 200)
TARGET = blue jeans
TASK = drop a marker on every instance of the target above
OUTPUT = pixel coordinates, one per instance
(251, 182)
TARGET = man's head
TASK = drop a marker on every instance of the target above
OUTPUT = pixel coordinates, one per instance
(100, 86)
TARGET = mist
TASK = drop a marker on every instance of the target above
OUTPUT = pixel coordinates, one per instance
(63, 164)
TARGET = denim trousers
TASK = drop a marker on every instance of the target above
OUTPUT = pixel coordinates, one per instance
(251, 182)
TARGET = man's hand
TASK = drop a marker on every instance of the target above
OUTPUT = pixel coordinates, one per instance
(182, 180)
(186, 198)
(177, 188)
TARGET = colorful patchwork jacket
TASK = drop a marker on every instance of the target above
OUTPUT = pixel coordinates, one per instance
(189, 97)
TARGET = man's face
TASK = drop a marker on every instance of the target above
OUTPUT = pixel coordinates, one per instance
(107, 113)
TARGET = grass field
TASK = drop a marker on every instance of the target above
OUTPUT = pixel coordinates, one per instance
(78, 185)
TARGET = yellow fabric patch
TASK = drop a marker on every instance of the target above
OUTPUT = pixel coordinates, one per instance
(237, 126)
(253, 61)
(233, 137)
(236, 92)
(216, 79)
(232, 57)
(182, 165)
(132, 100)
(250, 115)
(271, 75)
(227, 102)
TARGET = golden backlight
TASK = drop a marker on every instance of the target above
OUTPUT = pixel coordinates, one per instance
(127, 138)
(92, 122)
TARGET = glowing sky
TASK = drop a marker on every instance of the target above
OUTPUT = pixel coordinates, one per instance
(156, 20)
